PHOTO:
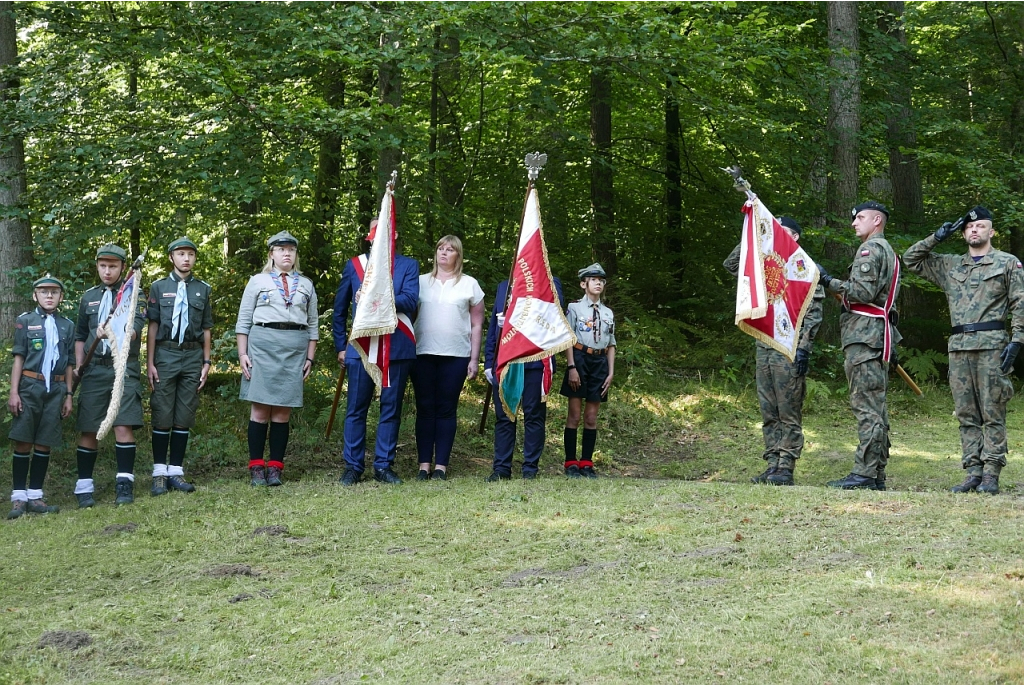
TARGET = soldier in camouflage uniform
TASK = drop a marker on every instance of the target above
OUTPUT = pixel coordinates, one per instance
(869, 337)
(983, 287)
(781, 385)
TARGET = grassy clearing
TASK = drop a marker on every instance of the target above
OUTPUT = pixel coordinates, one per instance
(686, 574)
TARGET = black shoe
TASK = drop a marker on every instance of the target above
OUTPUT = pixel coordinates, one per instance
(124, 490)
(853, 482)
(350, 477)
(588, 472)
(495, 477)
(880, 485)
(85, 500)
(38, 506)
(989, 484)
(573, 472)
(970, 484)
(180, 484)
(17, 509)
(423, 475)
(762, 477)
(780, 477)
(273, 476)
(159, 486)
(258, 476)
(386, 476)
(439, 475)
(529, 475)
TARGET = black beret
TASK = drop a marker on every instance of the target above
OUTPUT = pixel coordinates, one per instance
(870, 204)
(978, 213)
(790, 223)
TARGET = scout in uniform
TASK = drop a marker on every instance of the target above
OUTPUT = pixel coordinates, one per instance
(177, 362)
(97, 382)
(40, 393)
(781, 385)
(589, 370)
(869, 337)
(983, 287)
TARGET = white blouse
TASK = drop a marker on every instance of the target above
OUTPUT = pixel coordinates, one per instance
(443, 325)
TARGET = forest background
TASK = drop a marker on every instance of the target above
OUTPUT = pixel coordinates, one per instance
(139, 122)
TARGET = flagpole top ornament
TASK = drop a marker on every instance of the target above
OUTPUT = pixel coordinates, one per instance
(535, 161)
(137, 264)
(740, 184)
(394, 178)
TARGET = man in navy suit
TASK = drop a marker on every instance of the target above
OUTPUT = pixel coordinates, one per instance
(535, 411)
(360, 386)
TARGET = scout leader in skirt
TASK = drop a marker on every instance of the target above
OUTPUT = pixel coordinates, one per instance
(97, 382)
(177, 362)
(277, 333)
(40, 393)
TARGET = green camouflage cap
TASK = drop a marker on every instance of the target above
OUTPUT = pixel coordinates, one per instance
(111, 250)
(594, 270)
(180, 243)
(282, 238)
(48, 280)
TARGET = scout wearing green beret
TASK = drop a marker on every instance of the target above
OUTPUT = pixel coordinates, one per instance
(589, 371)
(97, 382)
(39, 398)
(178, 361)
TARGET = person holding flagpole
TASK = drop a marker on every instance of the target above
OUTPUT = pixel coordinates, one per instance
(391, 354)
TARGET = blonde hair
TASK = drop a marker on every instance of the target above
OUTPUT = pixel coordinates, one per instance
(456, 244)
(269, 266)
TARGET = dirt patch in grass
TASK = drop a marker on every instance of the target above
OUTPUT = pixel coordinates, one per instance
(115, 528)
(702, 552)
(518, 639)
(401, 550)
(230, 570)
(520, 578)
(65, 640)
(270, 530)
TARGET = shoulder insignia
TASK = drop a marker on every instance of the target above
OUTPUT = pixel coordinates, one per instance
(19, 325)
(1018, 265)
(865, 253)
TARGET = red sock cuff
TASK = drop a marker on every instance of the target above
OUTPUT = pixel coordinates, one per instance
(571, 463)
(275, 465)
(584, 464)
(255, 462)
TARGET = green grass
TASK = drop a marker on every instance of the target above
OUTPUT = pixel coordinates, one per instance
(671, 568)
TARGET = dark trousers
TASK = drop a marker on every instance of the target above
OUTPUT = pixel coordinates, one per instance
(360, 394)
(534, 414)
(438, 383)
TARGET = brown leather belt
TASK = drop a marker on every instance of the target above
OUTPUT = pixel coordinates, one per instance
(590, 350)
(41, 377)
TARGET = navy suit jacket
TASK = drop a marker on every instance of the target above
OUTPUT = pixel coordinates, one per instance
(407, 297)
(492, 328)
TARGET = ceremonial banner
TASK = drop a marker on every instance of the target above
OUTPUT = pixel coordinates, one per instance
(119, 331)
(535, 327)
(376, 317)
(776, 281)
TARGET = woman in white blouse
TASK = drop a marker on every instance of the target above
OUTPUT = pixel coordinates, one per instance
(448, 328)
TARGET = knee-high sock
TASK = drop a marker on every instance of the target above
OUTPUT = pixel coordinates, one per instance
(569, 440)
(124, 452)
(20, 470)
(161, 438)
(589, 440)
(179, 441)
(257, 442)
(40, 463)
(86, 463)
(278, 443)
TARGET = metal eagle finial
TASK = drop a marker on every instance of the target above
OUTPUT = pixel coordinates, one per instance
(740, 184)
(535, 161)
(394, 178)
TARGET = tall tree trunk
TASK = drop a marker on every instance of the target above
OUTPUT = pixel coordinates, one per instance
(325, 189)
(134, 189)
(15, 233)
(389, 83)
(843, 111)
(601, 170)
(673, 172)
(454, 172)
(904, 170)
(431, 191)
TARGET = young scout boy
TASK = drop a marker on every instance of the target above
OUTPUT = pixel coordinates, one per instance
(591, 366)
(177, 362)
(40, 395)
(97, 382)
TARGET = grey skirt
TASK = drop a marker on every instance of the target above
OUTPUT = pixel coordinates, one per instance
(277, 360)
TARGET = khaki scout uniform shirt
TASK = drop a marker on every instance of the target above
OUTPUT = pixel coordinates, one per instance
(30, 341)
(986, 290)
(161, 307)
(869, 282)
(88, 319)
(596, 331)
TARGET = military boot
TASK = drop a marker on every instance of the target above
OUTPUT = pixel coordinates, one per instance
(853, 482)
(783, 473)
(880, 481)
(38, 506)
(990, 480)
(124, 490)
(17, 509)
(763, 476)
(159, 486)
(971, 481)
(258, 475)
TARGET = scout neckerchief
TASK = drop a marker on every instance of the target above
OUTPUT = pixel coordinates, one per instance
(179, 320)
(106, 302)
(282, 286)
(51, 354)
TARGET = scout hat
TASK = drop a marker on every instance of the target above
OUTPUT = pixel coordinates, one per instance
(182, 243)
(791, 224)
(978, 213)
(282, 238)
(594, 270)
(870, 204)
(48, 280)
(110, 250)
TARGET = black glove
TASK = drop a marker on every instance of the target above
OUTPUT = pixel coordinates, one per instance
(947, 229)
(803, 358)
(824, 278)
(1008, 356)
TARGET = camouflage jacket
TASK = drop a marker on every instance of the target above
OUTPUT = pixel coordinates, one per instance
(986, 290)
(812, 317)
(868, 283)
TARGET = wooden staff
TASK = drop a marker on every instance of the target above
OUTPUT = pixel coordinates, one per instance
(337, 396)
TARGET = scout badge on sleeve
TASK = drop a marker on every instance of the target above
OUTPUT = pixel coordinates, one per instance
(535, 327)
(118, 330)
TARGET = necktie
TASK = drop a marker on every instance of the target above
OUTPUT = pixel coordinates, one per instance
(179, 320)
(284, 281)
(50, 355)
(105, 303)
(597, 322)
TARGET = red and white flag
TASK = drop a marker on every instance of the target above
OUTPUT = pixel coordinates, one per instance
(776, 281)
(535, 326)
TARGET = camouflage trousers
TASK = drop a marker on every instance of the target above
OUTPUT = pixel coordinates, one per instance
(980, 393)
(780, 393)
(869, 379)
